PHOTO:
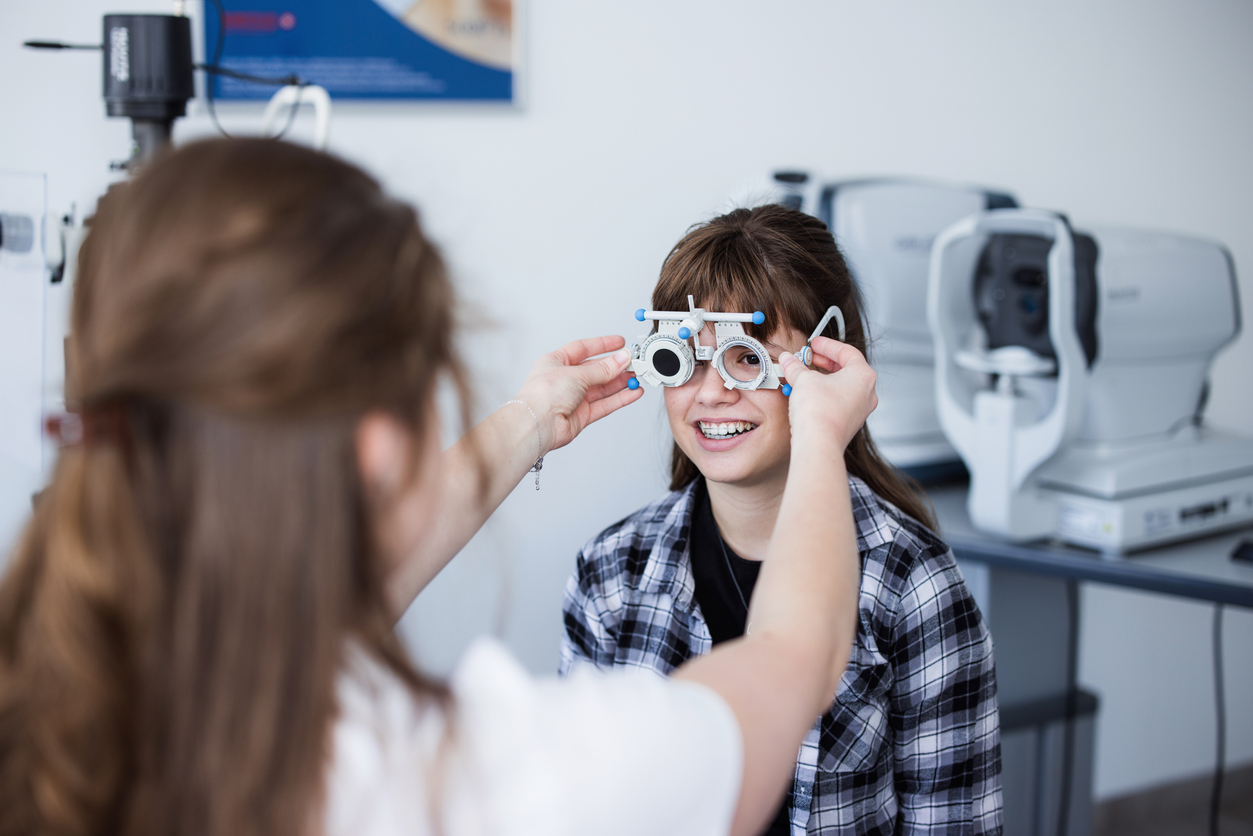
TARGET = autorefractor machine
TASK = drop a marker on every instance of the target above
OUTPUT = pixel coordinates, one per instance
(1071, 375)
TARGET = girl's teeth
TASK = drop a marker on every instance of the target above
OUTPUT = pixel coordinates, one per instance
(726, 429)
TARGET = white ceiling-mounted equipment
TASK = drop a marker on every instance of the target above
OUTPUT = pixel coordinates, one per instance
(885, 228)
(1071, 374)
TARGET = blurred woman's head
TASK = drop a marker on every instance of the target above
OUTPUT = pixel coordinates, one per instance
(240, 307)
(785, 264)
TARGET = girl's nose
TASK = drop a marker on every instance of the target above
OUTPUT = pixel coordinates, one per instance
(711, 388)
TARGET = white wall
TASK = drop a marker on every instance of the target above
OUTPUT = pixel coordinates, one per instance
(641, 117)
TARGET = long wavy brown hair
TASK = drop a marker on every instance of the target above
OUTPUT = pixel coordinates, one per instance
(785, 264)
(177, 608)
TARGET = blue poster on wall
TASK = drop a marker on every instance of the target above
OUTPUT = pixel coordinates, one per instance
(367, 49)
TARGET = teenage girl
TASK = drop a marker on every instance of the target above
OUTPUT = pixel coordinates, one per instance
(910, 744)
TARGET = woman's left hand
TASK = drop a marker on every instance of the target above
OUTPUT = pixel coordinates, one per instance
(572, 387)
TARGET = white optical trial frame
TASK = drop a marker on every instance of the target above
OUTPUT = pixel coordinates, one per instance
(665, 358)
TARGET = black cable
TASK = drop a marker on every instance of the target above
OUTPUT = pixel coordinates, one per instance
(1072, 687)
(255, 79)
(285, 81)
(1041, 779)
(59, 45)
(291, 118)
(1216, 797)
(217, 60)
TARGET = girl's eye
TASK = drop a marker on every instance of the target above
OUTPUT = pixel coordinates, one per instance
(744, 357)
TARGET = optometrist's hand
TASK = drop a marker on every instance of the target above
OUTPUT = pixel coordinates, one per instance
(567, 390)
(573, 387)
(830, 406)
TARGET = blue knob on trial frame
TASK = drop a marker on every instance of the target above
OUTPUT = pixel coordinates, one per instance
(684, 333)
(758, 317)
(786, 389)
(639, 314)
(633, 384)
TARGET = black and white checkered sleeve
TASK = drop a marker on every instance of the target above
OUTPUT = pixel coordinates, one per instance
(947, 733)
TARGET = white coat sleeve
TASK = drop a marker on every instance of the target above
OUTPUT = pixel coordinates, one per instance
(620, 753)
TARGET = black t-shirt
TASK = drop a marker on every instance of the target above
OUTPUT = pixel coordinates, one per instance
(724, 586)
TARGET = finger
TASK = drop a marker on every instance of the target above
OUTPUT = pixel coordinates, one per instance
(793, 369)
(574, 353)
(612, 403)
(823, 363)
(604, 369)
(842, 354)
(604, 390)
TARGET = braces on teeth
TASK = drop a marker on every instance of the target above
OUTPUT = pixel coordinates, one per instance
(727, 429)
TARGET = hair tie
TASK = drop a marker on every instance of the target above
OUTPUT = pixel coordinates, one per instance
(95, 424)
(65, 428)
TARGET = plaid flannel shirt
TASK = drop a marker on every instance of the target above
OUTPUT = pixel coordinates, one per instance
(911, 744)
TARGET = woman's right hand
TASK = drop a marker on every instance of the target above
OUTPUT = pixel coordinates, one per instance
(567, 390)
(572, 387)
(832, 406)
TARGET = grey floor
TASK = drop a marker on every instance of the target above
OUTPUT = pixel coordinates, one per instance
(1180, 809)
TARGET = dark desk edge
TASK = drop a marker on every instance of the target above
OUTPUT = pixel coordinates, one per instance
(1094, 568)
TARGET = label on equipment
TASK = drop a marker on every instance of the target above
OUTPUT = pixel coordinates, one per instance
(120, 53)
(1081, 521)
(1157, 520)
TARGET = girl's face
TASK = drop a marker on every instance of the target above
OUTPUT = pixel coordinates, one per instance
(756, 447)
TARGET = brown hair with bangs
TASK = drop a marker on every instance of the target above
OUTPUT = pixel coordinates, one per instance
(785, 264)
(179, 607)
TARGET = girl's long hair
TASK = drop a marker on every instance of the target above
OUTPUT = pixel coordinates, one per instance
(177, 609)
(785, 264)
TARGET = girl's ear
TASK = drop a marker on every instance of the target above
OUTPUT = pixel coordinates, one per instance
(384, 449)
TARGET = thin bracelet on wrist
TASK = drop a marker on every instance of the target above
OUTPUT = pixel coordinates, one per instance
(539, 463)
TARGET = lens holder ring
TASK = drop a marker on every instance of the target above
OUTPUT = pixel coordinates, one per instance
(674, 370)
(719, 361)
